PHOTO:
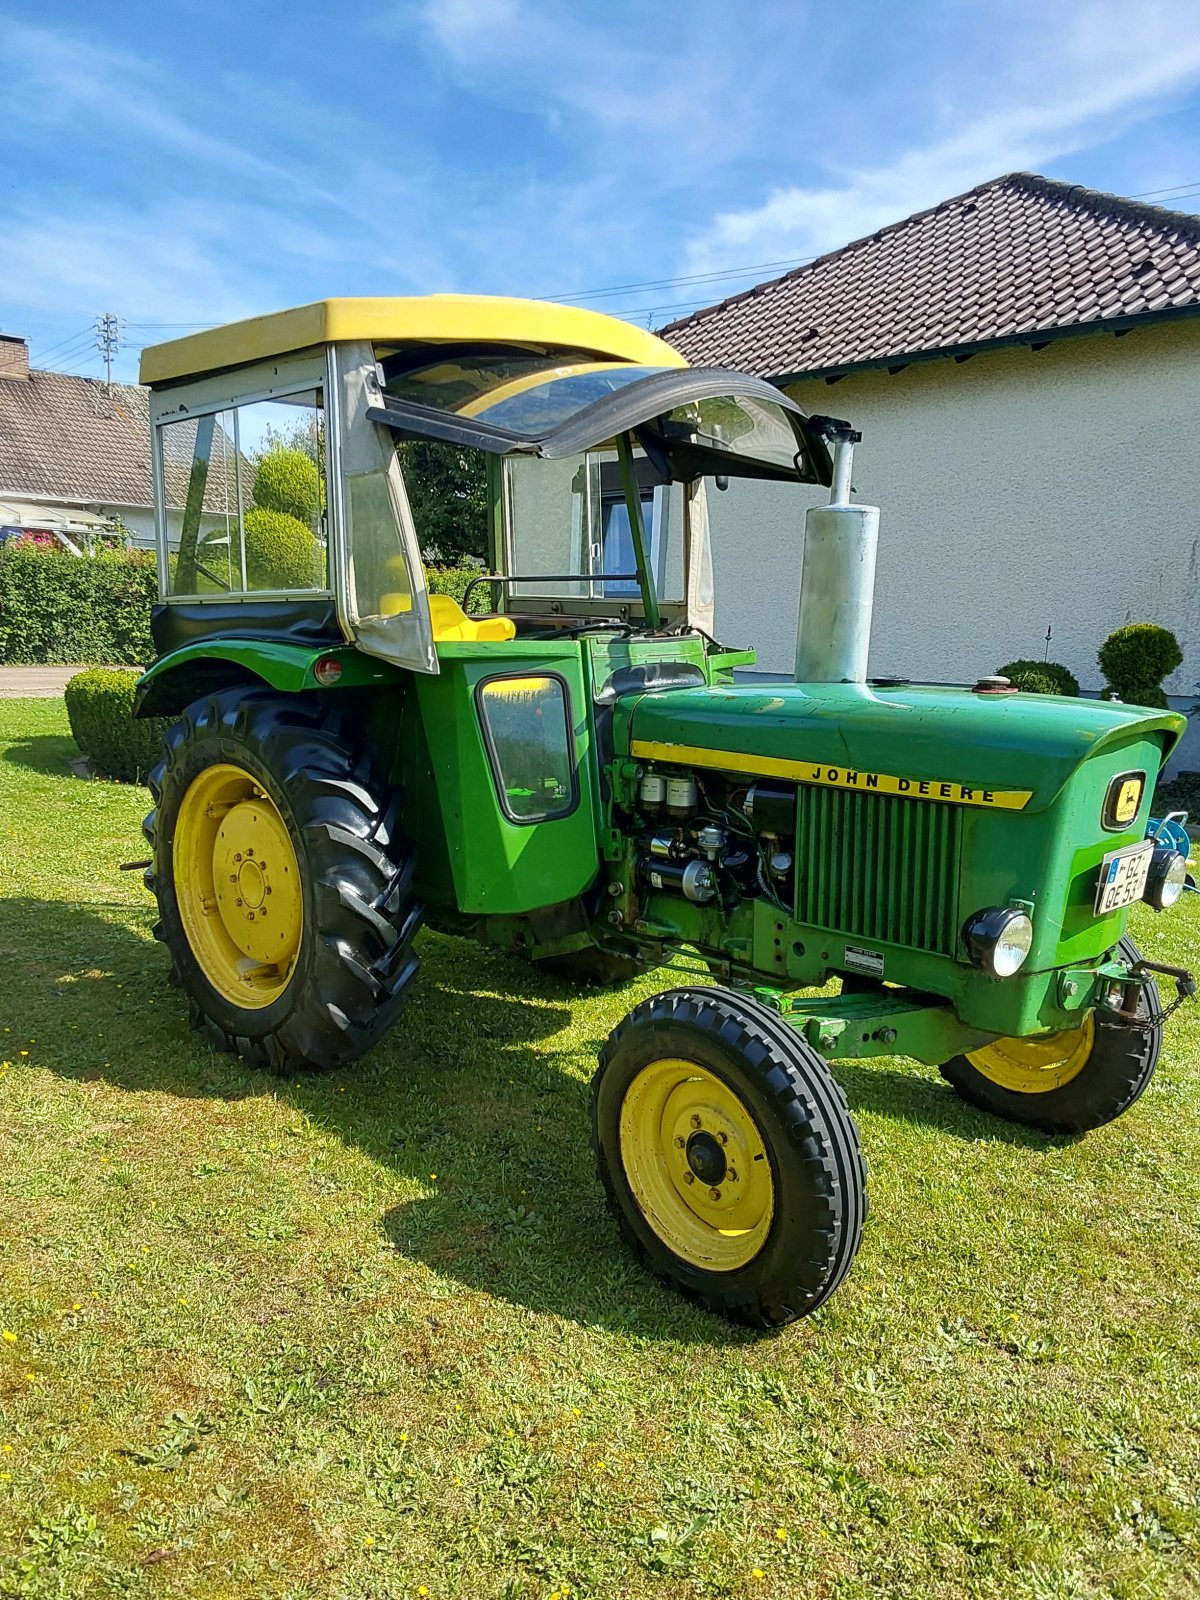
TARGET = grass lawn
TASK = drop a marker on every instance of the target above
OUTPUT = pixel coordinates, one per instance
(372, 1335)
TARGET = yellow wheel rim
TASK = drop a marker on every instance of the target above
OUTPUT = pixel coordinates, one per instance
(697, 1165)
(237, 885)
(1035, 1066)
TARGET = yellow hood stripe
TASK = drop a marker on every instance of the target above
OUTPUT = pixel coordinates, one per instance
(831, 777)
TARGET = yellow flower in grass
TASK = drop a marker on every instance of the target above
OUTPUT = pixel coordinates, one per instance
(9, 1338)
(781, 1534)
(757, 1572)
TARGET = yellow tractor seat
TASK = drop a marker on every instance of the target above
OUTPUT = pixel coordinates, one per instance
(451, 622)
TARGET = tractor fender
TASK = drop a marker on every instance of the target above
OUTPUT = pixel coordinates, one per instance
(209, 665)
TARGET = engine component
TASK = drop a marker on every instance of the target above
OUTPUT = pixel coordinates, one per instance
(683, 796)
(781, 863)
(667, 847)
(712, 840)
(694, 879)
(771, 807)
(653, 791)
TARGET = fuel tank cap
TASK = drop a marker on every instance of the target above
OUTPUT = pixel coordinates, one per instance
(994, 685)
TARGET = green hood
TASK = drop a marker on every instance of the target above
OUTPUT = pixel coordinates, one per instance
(1013, 750)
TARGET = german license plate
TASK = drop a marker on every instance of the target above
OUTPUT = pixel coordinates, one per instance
(1123, 875)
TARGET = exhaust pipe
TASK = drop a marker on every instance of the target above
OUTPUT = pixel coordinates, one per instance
(837, 576)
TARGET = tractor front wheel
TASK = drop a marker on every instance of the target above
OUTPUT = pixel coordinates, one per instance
(283, 889)
(1066, 1082)
(728, 1155)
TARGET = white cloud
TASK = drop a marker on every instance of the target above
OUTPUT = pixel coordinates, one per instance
(1072, 78)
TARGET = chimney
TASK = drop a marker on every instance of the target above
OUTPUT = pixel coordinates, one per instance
(14, 356)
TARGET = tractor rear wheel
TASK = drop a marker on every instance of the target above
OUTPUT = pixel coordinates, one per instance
(1066, 1082)
(283, 889)
(728, 1155)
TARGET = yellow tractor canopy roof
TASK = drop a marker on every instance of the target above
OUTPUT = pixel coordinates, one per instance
(408, 320)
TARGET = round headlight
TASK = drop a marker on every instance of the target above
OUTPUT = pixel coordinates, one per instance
(999, 940)
(1166, 879)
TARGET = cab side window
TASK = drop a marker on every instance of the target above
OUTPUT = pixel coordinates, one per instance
(527, 730)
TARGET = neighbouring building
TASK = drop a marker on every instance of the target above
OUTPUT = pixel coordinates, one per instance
(1024, 364)
(75, 457)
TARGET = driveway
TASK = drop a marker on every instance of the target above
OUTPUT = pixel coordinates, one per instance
(39, 683)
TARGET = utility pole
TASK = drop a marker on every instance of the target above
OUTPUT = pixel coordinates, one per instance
(108, 333)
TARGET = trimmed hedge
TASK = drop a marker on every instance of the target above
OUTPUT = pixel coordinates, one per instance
(454, 580)
(58, 608)
(281, 552)
(1135, 659)
(287, 480)
(100, 711)
(1040, 677)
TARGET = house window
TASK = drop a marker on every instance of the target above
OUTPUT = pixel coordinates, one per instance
(244, 490)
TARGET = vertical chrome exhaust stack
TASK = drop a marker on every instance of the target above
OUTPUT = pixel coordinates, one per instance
(837, 575)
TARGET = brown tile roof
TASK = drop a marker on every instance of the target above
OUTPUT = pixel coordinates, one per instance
(1015, 257)
(72, 439)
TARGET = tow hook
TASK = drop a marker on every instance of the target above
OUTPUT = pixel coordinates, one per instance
(1185, 989)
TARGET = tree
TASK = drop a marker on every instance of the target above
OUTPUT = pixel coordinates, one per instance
(447, 489)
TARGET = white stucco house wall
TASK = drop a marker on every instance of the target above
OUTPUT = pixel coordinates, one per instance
(1024, 365)
(75, 456)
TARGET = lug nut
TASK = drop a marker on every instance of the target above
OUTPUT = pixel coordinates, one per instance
(237, 902)
(689, 1177)
(233, 877)
(679, 1142)
(724, 1138)
(731, 1175)
(696, 1119)
(714, 1194)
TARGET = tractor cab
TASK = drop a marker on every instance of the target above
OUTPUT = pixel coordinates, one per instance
(583, 445)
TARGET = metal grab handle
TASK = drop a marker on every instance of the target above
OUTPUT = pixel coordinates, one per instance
(547, 577)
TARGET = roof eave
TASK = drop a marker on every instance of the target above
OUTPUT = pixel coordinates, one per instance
(1032, 336)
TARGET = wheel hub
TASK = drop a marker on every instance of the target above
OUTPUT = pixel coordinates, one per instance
(706, 1158)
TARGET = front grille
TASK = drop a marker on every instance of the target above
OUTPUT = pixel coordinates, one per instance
(878, 866)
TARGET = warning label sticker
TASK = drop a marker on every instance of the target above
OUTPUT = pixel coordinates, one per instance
(860, 960)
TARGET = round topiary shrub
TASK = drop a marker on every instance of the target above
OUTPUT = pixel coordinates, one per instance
(287, 480)
(1040, 677)
(1135, 659)
(100, 711)
(281, 553)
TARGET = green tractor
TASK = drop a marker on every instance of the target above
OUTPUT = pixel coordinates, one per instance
(563, 766)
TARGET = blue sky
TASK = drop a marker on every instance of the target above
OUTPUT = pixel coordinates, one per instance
(188, 163)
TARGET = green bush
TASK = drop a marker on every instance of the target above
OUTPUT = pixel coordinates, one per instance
(1040, 677)
(281, 552)
(100, 711)
(56, 607)
(287, 481)
(454, 580)
(1135, 659)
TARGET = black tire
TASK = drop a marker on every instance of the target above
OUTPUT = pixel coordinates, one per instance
(355, 962)
(806, 1131)
(594, 969)
(1121, 1064)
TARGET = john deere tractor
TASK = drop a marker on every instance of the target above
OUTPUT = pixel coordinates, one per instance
(563, 765)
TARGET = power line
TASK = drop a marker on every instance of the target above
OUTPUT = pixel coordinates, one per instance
(1188, 183)
(70, 352)
(72, 338)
